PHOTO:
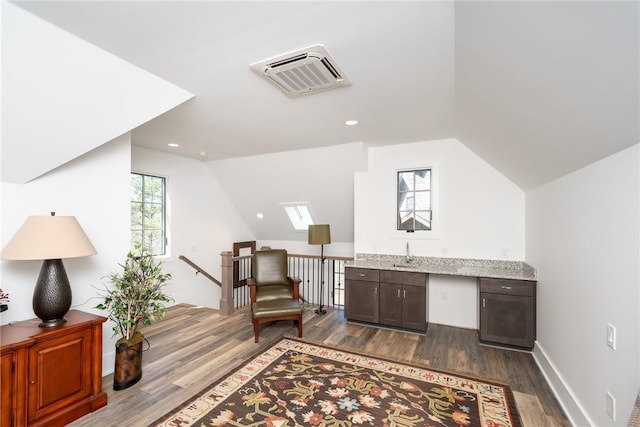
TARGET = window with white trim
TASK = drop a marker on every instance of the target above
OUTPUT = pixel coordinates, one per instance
(414, 209)
(148, 212)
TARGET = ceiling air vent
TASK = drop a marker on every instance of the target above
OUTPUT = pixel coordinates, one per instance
(303, 71)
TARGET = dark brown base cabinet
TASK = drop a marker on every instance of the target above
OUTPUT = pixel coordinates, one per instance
(361, 295)
(51, 376)
(390, 298)
(507, 312)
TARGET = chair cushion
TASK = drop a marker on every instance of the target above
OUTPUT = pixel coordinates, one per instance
(276, 308)
(271, 292)
(270, 267)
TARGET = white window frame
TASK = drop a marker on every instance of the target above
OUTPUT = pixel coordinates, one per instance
(436, 214)
(165, 213)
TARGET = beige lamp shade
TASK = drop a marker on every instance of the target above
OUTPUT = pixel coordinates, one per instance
(319, 234)
(48, 237)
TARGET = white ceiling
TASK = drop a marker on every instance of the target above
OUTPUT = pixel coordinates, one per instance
(538, 89)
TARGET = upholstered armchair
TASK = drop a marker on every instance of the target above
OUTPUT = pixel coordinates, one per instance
(274, 295)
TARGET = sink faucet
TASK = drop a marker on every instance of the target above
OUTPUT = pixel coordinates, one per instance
(408, 257)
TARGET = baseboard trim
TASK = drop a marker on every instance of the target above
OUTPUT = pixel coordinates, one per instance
(574, 411)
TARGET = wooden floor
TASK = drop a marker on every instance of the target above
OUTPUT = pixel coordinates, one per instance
(194, 346)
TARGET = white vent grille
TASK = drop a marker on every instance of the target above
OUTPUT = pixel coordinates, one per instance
(303, 71)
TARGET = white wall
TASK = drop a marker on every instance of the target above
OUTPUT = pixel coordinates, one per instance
(583, 237)
(51, 79)
(203, 223)
(95, 189)
(321, 176)
(478, 213)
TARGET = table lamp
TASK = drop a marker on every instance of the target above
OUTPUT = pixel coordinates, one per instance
(319, 234)
(50, 238)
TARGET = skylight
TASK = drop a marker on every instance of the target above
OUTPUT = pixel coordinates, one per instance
(299, 214)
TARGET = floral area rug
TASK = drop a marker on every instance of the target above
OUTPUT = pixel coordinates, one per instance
(294, 383)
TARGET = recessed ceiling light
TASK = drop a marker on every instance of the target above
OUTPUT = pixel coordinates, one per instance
(259, 215)
(173, 144)
(351, 122)
(202, 153)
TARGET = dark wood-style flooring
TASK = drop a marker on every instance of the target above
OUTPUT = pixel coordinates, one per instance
(194, 346)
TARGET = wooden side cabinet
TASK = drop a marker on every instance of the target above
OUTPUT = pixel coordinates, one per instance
(53, 375)
(507, 312)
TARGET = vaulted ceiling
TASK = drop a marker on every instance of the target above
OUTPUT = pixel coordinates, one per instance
(538, 89)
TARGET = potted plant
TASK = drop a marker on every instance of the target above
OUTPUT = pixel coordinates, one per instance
(136, 297)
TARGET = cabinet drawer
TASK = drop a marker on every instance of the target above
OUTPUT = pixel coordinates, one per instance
(366, 274)
(507, 287)
(403, 277)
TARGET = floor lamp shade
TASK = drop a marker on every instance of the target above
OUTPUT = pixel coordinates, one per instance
(50, 238)
(319, 234)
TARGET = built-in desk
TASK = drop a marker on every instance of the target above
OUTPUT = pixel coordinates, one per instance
(506, 289)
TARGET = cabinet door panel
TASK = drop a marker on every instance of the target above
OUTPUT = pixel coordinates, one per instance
(507, 319)
(6, 383)
(59, 373)
(414, 307)
(361, 301)
(390, 304)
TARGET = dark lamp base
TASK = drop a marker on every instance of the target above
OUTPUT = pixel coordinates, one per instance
(52, 323)
(52, 295)
(320, 310)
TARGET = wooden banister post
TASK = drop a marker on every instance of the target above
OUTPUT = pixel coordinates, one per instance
(226, 297)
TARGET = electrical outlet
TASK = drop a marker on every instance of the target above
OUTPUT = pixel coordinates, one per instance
(504, 254)
(611, 336)
(611, 406)
(444, 295)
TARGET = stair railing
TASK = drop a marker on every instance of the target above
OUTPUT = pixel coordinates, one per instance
(307, 267)
(200, 270)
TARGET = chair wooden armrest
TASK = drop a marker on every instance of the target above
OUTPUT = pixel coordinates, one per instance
(251, 282)
(295, 286)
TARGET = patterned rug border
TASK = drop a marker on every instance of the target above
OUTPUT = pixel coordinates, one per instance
(511, 402)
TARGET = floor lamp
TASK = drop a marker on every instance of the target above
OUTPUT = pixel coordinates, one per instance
(319, 234)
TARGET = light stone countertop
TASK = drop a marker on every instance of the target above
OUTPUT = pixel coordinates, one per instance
(496, 269)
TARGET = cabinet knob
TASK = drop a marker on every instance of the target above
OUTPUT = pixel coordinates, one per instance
(33, 381)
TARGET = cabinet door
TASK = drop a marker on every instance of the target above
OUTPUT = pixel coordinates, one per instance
(414, 307)
(6, 383)
(391, 304)
(507, 319)
(59, 373)
(361, 301)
